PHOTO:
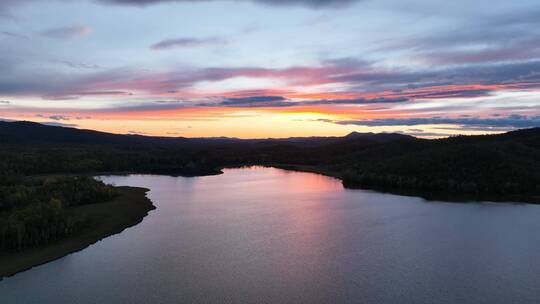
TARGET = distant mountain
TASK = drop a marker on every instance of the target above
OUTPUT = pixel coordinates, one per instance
(506, 164)
(25, 132)
(502, 166)
(378, 137)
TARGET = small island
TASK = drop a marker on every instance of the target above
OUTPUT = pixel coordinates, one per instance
(46, 218)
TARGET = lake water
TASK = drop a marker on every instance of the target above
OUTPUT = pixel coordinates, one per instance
(263, 235)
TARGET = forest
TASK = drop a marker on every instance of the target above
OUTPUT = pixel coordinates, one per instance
(36, 210)
(487, 165)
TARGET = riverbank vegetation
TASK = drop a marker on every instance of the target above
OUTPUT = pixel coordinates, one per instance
(36, 211)
(501, 166)
(49, 231)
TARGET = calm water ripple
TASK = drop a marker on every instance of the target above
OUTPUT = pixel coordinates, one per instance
(264, 235)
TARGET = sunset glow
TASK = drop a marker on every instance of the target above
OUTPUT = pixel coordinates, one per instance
(327, 68)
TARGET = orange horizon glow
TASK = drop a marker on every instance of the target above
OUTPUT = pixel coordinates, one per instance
(299, 119)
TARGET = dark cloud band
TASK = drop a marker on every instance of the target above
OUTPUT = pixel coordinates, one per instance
(513, 121)
(187, 43)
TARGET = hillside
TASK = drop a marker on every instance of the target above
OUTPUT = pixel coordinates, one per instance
(477, 166)
(505, 164)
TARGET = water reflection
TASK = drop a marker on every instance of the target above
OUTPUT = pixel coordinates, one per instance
(272, 236)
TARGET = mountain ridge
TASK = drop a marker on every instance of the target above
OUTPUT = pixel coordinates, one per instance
(500, 166)
(33, 132)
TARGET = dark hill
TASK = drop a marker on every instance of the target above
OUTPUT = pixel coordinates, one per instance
(25, 132)
(378, 137)
(504, 164)
(494, 166)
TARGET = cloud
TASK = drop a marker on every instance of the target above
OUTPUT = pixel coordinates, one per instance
(426, 134)
(136, 133)
(262, 101)
(484, 38)
(145, 106)
(148, 82)
(62, 117)
(76, 65)
(491, 54)
(75, 95)
(58, 117)
(187, 43)
(13, 35)
(367, 83)
(446, 92)
(259, 101)
(54, 117)
(463, 128)
(280, 101)
(255, 101)
(356, 101)
(513, 121)
(4, 102)
(479, 79)
(58, 124)
(306, 3)
(5, 5)
(67, 32)
(525, 48)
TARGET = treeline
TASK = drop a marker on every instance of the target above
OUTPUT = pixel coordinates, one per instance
(474, 165)
(485, 168)
(35, 211)
(501, 166)
(46, 159)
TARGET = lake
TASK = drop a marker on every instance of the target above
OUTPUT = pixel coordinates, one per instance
(264, 235)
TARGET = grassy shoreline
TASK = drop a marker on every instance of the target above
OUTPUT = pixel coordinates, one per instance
(107, 219)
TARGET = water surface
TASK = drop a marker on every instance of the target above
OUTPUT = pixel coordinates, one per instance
(264, 235)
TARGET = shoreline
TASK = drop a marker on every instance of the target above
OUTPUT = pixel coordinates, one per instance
(107, 219)
(424, 194)
(133, 205)
(427, 195)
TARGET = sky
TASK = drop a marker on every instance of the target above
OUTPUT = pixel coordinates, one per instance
(272, 68)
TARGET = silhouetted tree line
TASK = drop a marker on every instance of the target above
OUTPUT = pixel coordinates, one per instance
(35, 211)
(44, 159)
(506, 168)
(493, 164)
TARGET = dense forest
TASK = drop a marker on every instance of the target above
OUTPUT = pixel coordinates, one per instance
(490, 165)
(36, 210)
(456, 165)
